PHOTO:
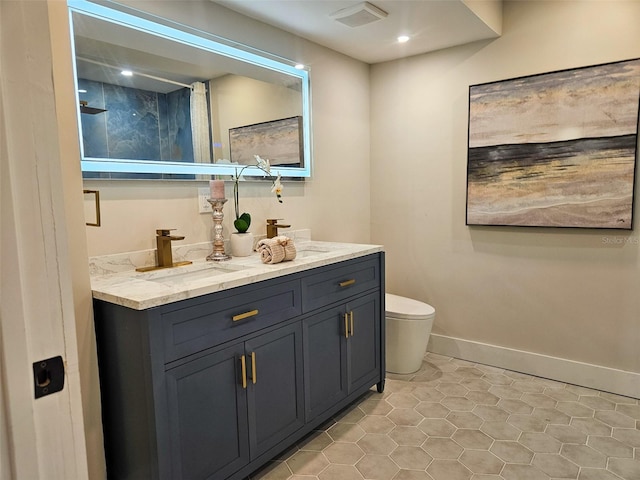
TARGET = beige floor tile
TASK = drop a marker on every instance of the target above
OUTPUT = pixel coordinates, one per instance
(522, 472)
(597, 402)
(610, 447)
(584, 456)
(596, 474)
(556, 466)
(376, 424)
(615, 419)
(511, 452)
(273, 471)
(411, 458)
(442, 448)
(412, 475)
(338, 472)
(527, 423)
(626, 468)
(540, 442)
(377, 467)
(316, 441)
(566, 434)
(475, 439)
(307, 463)
(377, 444)
(480, 461)
(343, 453)
(346, 432)
(500, 430)
(437, 427)
(551, 416)
(456, 420)
(405, 416)
(627, 435)
(448, 470)
(482, 398)
(411, 436)
(432, 410)
(402, 400)
(465, 419)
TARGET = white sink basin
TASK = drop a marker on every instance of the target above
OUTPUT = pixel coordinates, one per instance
(190, 273)
(306, 252)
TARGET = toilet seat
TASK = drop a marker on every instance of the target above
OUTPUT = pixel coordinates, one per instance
(407, 308)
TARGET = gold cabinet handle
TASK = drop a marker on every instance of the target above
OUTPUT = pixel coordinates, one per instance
(346, 283)
(346, 325)
(242, 316)
(243, 363)
(253, 367)
(351, 317)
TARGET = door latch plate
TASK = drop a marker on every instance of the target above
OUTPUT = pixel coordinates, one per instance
(48, 376)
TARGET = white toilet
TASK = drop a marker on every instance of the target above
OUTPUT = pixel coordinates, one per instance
(408, 326)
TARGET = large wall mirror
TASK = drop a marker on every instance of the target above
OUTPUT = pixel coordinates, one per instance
(161, 100)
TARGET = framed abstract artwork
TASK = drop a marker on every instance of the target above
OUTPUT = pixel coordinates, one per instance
(556, 149)
(279, 141)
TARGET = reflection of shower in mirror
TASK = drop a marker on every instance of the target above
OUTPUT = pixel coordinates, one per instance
(85, 108)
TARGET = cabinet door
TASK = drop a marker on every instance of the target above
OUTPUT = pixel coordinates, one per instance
(324, 360)
(207, 416)
(363, 344)
(274, 390)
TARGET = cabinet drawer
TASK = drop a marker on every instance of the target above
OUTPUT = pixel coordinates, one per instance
(227, 315)
(336, 284)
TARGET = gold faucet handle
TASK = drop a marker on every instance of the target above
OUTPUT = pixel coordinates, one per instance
(273, 221)
(165, 232)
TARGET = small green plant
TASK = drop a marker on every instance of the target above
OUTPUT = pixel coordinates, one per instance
(243, 221)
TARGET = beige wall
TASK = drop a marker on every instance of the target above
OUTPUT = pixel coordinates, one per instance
(565, 293)
(237, 101)
(334, 203)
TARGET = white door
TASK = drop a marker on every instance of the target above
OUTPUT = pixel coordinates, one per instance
(39, 438)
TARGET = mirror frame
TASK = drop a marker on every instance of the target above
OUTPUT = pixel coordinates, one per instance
(201, 40)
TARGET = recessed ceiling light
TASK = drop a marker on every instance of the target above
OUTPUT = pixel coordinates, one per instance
(127, 73)
(403, 38)
(299, 66)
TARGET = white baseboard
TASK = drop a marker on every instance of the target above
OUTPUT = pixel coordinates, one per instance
(587, 375)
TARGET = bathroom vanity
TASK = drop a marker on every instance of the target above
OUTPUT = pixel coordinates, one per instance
(211, 370)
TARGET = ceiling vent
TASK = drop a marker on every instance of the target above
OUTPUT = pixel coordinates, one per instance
(359, 15)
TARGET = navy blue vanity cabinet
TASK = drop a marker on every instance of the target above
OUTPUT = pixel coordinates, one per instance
(214, 387)
(228, 407)
(342, 343)
(208, 434)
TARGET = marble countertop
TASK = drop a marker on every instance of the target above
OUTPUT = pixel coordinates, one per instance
(115, 280)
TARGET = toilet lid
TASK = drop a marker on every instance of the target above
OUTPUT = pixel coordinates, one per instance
(402, 307)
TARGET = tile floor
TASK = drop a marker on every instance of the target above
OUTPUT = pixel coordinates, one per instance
(456, 420)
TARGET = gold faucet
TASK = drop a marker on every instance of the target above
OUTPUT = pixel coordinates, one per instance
(272, 227)
(165, 257)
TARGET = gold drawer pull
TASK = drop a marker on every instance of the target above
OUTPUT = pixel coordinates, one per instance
(242, 316)
(346, 283)
(243, 363)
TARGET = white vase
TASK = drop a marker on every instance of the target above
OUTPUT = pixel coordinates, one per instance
(241, 244)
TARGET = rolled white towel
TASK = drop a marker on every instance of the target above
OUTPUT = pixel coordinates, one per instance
(270, 251)
(289, 247)
(276, 250)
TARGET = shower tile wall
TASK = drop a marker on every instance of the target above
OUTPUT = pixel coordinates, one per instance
(138, 124)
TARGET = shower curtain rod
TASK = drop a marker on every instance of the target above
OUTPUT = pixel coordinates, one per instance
(160, 79)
